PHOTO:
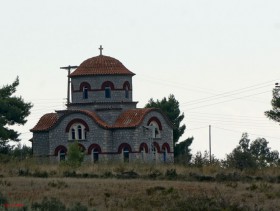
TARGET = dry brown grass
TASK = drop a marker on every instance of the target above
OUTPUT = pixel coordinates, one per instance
(114, 194)
(180, 193)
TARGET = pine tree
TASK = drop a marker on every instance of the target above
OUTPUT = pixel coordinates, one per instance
(13, 110)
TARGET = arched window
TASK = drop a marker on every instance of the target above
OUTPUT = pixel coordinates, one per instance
(84, 87)
(61, 155)
(126, 87)
(155, 151)
(107, 86)
(125, 149)
(164, 155)
(95, 155)
(85, 92)
(60, 151)
(126, 92)
(143, 150)
(126, 154)
(94, 150)
(156, 131)
(107, 92)
(73, 134)
(156, 125)
(77, 129)
(80, 132)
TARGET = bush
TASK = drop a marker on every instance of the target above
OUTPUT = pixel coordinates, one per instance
(42, 174)
(3, 200)
(57, 184)
(128, 175)
(75, 155)
(171, 174)
(51, 204)
(154, 174)
(78, 207)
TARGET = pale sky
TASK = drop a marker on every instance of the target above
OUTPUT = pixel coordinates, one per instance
(219, 58)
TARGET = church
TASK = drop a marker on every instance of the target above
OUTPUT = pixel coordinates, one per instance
(103, 118)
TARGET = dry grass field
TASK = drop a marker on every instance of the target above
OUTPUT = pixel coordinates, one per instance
(29, 186)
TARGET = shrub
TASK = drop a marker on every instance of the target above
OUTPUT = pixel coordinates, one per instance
(69, 174)
(49, 204)
(154, 174)
(75, 155)
(42, 174)
(57, 184)
(128, 175)
(155, 189)
(171, 173)
(78, 207)
(23, 172)
(3, 200)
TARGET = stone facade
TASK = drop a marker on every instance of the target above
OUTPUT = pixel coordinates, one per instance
(103, 118)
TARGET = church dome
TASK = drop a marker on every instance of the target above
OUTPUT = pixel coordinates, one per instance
(101, 65)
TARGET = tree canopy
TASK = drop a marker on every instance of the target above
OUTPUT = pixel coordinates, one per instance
(274, 114)
(171, 108)
(252, 155)
(13, 110)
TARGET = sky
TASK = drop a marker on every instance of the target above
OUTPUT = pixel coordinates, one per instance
(220, 58)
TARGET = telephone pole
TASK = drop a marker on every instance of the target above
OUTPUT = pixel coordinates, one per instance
(69, 82)
(210, 144)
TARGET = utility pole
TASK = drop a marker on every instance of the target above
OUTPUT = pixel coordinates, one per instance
(210, 144)
(69, 82)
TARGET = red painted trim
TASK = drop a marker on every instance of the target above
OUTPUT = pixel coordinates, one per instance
(122, 146)
(99, 90)
(145, 146)
(126, 84)
(166, 146)
(157, 147)
(94, 146)
(74, 121)
(106, 84)
(58, 148)
(84, 84)
(155, 119)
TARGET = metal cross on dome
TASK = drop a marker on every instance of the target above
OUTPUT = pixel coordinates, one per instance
(100, 48)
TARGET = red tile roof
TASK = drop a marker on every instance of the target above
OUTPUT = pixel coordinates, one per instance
(101, 65)
(128, 119)
(46, 122)
(131, 118)
(49, 120)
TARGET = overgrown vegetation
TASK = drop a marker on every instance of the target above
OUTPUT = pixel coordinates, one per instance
(75, 155)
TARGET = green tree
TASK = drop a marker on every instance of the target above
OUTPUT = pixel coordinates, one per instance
(21, 152)
(182, 152)
(13, 110)
(171, 108)
(75, 155)
(274, 114)
(252, 155)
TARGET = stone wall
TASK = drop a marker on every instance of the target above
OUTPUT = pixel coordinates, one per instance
(95, 94)
(40, 144)
(109, 140)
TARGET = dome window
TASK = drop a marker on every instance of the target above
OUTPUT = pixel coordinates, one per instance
(107, 92)
(85, 92)
(126, 88)
(107, 86)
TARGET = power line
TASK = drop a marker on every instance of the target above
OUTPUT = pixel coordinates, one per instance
(227, 100)
(222, 95)
(278, 138)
